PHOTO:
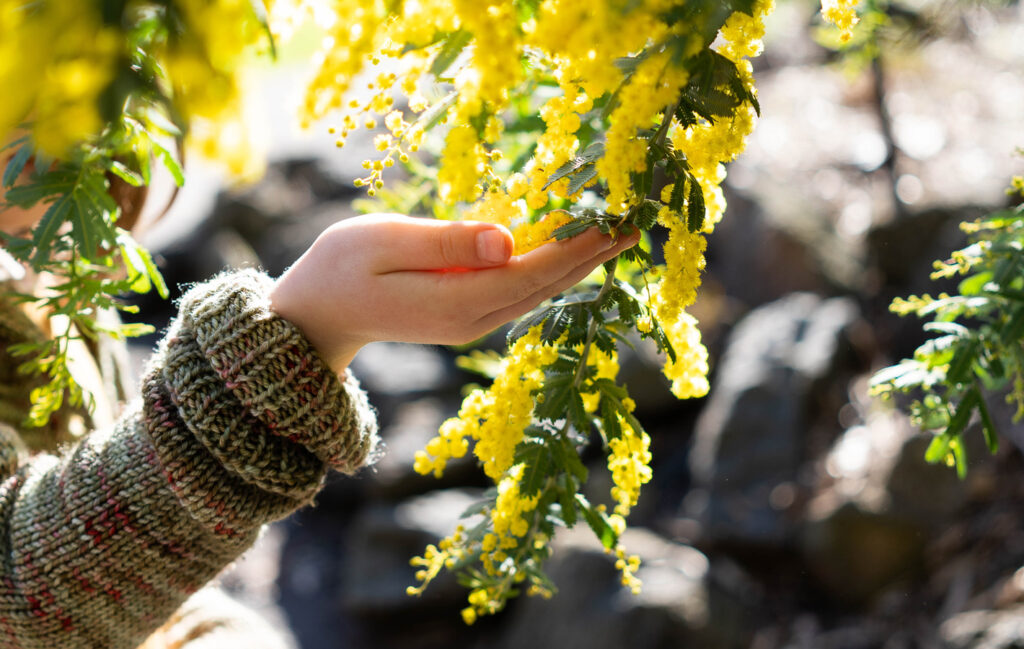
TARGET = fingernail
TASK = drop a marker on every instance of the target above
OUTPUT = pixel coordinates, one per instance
(492, 246)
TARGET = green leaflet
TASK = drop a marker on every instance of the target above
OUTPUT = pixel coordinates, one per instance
(450, 51)
(16, 165)
(169, 163)
(538, 465)
(598, 522)
(585, 160)
(695, 209)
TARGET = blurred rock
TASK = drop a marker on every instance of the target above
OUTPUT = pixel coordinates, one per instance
(984, 630)
(855, 553)
(686, 601)
(754, 260)
(375, 571)
(880, 467)
(863, 634)
(751, 436)
(880, 503)
(399, 369)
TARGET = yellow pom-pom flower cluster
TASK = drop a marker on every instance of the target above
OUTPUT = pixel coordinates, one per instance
(654, 85)
(70, 67)
(498, 206)
(509, 521)
(842, 14)
(689, 371)
(495, 417)
(629, 461)
(205, 69)
(606, 366)
(463, 163)
(59, 57)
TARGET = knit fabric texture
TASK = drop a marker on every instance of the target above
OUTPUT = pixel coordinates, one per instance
(238, 423)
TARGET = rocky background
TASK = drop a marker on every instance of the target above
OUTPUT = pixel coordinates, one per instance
(788, 509)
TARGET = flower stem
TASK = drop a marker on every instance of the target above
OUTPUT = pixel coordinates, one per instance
(609, 280)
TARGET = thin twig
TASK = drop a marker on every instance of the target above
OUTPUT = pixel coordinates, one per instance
(609, 280)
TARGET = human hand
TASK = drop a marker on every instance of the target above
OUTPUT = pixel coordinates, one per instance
(398, 278)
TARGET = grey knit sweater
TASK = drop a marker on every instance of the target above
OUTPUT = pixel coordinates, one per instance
(238, 423)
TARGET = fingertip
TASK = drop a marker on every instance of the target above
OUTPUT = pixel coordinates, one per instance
(630, 240)
(494, 244)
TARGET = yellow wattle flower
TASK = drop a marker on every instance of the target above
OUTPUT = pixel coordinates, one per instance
(629, 460)
(496, 417)
(842, 14)
(55, 62)
(606, 366)
(689, 372)
(463, 163)
(655, 84)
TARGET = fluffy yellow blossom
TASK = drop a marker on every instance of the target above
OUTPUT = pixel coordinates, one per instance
(517, 185)
(285, 17)
(205, 66)
(842, 14)
(496, 417)
(587, 42)
(435, 558)
(629, 460)
(628, 565)
(67, 107)
(742, 34)
(495, 67)
(55, 61)
(689, 372)
(430, 565)
(558, 143)
(232, 139)
(356, 33)
(684, 262)
(677, 289)
(482, 601)
(708, 146)
(499, 207)
(509, 516)
(654, 85)
(606, 366)
(463, 164)
(530, 236)
(421, 21)
(586, 38)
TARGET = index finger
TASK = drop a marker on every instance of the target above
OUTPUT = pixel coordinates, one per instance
(531, 273)
(416, 243)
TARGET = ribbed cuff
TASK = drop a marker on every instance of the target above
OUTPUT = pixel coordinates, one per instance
(249, 385)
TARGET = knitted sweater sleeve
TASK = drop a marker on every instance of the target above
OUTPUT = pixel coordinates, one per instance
(238, 424)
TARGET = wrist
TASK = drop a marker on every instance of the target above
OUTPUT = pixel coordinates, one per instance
(336, 349)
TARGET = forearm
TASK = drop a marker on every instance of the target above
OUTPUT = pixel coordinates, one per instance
(238, 425)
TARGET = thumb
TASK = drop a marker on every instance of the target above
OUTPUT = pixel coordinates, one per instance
(424, 244)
